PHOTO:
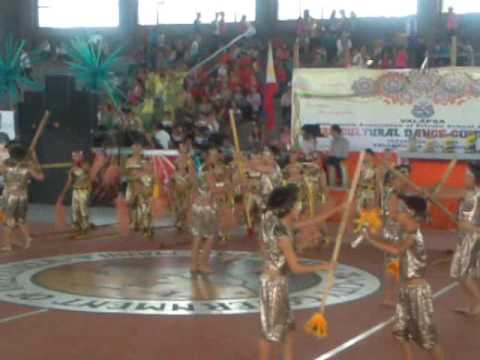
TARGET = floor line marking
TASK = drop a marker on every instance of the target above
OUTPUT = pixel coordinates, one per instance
(21, 316)
(366, 334)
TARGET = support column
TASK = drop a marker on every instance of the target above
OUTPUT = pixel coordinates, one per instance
(267, 16)
(429, 13)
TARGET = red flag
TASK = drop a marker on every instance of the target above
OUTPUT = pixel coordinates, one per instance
(270, 91)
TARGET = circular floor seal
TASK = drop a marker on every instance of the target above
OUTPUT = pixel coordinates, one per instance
(160, 283)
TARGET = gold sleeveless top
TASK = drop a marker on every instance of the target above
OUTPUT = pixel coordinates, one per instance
(80, 178)
(16, 178)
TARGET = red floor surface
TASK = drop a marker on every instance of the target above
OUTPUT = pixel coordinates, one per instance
(54, 335)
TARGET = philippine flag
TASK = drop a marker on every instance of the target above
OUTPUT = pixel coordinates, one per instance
(270, 91)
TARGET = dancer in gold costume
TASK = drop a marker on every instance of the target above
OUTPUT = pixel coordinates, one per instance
(393, 187)
(414, 310)
(279, 258)
(17, 171)
(133, 169)
(140, 190)
(369, 185)
(144, 199)
(79, 180)
(204, 226)
(182, 186)
(466, 260)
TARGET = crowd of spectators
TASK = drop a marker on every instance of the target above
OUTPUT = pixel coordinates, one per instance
(172, 103)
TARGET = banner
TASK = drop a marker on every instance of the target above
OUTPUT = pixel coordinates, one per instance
(433, 111)
(7, 123)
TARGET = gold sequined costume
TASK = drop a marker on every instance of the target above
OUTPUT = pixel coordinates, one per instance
(268, 182)
(222, 194)
(204, 213)
(15, 192)
(414, 309)
(391, 228)
(466, 260)
(275, 314)
(80, 198)
(183, 200)
(316, 192)
(133, 168)
(144, 204)
(366, 187)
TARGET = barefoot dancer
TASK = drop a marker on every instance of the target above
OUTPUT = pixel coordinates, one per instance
(392, 189)
(79, 179)
(144, 199)
(182, 185)
(466, 260)
(414, 311)
(17, 171)
(133, 168)
(204, 227)
(277, 324)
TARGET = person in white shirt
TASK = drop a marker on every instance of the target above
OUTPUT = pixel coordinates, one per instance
(339, 149)
(162, 137)
(360, 58)
(195, 47)
(26, 64)
(255, 101)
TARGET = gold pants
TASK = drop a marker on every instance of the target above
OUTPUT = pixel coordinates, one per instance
(142, 212)
(414, 316)
(181, 207)
(15, 207)
(80, 210)
(276, 317)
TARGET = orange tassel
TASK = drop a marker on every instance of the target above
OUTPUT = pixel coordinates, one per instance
(122, 215)
(393, 268)
(60, 223)
(317, 326)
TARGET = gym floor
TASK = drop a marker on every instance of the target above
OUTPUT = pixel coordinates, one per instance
(110, 296)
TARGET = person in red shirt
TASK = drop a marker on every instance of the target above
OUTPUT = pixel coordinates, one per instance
(401, 58)
(452, 21)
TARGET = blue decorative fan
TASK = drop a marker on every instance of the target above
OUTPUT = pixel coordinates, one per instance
(94, 69)
(13, 79)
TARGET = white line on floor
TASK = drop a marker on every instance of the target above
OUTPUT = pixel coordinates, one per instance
(355, 340)
(21, 316)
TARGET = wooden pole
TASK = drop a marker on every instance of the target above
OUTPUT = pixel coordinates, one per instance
(341, 231)
(39, 132)
(453, 51)
(233, 125)
(56, 166)
(445, 176)
(417, 188)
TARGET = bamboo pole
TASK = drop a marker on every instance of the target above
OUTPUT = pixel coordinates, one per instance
(417, 188)
(233, 125)
(445, 176)
(39, 132)
(341, 231)
(56, 166)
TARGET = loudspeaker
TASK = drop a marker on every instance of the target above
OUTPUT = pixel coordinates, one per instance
(59, 90)
(70, 128)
